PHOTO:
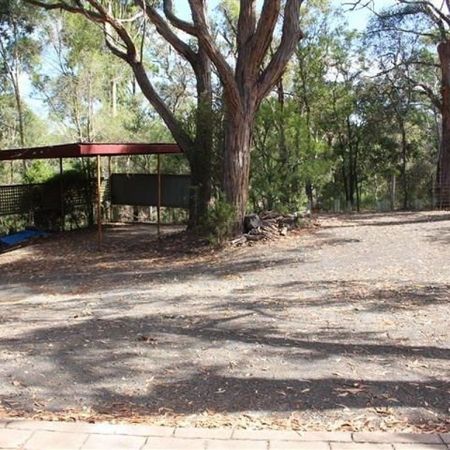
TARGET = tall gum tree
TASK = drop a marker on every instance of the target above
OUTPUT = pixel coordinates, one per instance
(245, 83)
(435, 28)
(250, 80)
(17, 51)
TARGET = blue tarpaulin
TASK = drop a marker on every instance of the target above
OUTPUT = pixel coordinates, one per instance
(21, 236)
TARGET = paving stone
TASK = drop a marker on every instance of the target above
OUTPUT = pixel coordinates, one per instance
(393, 438)
(266, 435)
(55, 440)
(91, 428)
(25, 424)
(143, 430)
(13, 438)
(174, 444)
(205, 433)
(110, 442)
(332, 436)
(69, 427)
(359, 446)
(298, 445)
(237, 445)
(445, 437)
(419, 446)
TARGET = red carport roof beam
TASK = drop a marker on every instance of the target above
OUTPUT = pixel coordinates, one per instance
(88, 150)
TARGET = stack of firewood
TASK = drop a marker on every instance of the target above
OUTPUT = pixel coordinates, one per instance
(270, 225)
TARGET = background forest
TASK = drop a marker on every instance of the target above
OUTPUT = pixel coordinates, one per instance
(353, 124)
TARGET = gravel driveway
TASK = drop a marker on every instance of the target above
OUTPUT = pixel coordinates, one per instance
(346, 327)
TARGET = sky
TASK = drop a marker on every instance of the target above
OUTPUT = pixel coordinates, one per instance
(356, 19)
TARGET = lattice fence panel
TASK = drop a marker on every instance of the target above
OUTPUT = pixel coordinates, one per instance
(22, 199)
(16, 199)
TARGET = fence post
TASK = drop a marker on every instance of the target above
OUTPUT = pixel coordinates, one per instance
(159, 195)
(99, 204)
(61, 194)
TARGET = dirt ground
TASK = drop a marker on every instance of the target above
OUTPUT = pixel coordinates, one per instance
(345, 327)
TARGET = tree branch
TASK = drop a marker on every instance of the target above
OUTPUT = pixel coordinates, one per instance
(129, 54)
(175, 127)
(206, 41)
(175, 21)
(163, 28)
(432, 10)
(63, 6)
(52, 6)
(246, 23)
(118, 28)
(290, 37)
(265, 29)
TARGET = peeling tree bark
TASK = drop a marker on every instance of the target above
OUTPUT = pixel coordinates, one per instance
(238, 137)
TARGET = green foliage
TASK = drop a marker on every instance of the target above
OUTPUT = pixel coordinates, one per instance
(12, 224)
(38, 171)
(219, 222)
(46, 199)
(285, 158)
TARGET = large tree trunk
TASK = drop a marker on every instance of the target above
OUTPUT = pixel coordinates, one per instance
(200, 163)
(236, 163)
(443, 175)
(200, 155)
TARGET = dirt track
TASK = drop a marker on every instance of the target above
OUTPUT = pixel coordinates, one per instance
(345, 328)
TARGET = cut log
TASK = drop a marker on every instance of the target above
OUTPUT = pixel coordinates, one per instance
(251, 222)
(270, 225)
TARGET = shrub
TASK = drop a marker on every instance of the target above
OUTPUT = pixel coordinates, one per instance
(219, 221)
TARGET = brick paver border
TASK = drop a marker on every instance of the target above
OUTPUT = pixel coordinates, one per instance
(39, 435)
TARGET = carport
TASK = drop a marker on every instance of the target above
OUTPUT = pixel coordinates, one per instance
(127, 188)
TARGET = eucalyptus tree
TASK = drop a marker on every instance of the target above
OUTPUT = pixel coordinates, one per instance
(431, 21)
(245, 81)
(86, 90)
(18, 50)
(343, 121)
(312, 72)
(400, 99)
(291, 161)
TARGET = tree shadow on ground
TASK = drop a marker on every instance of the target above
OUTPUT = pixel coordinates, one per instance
(311, 345)
(441, 236)
(92, 358)
(386, 219)
(362, 295)
(213, 392)
(209, 329)
(63, 261)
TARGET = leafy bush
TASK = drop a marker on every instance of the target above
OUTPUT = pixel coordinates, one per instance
(38, 171)
(219, 221)
(77, 201)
